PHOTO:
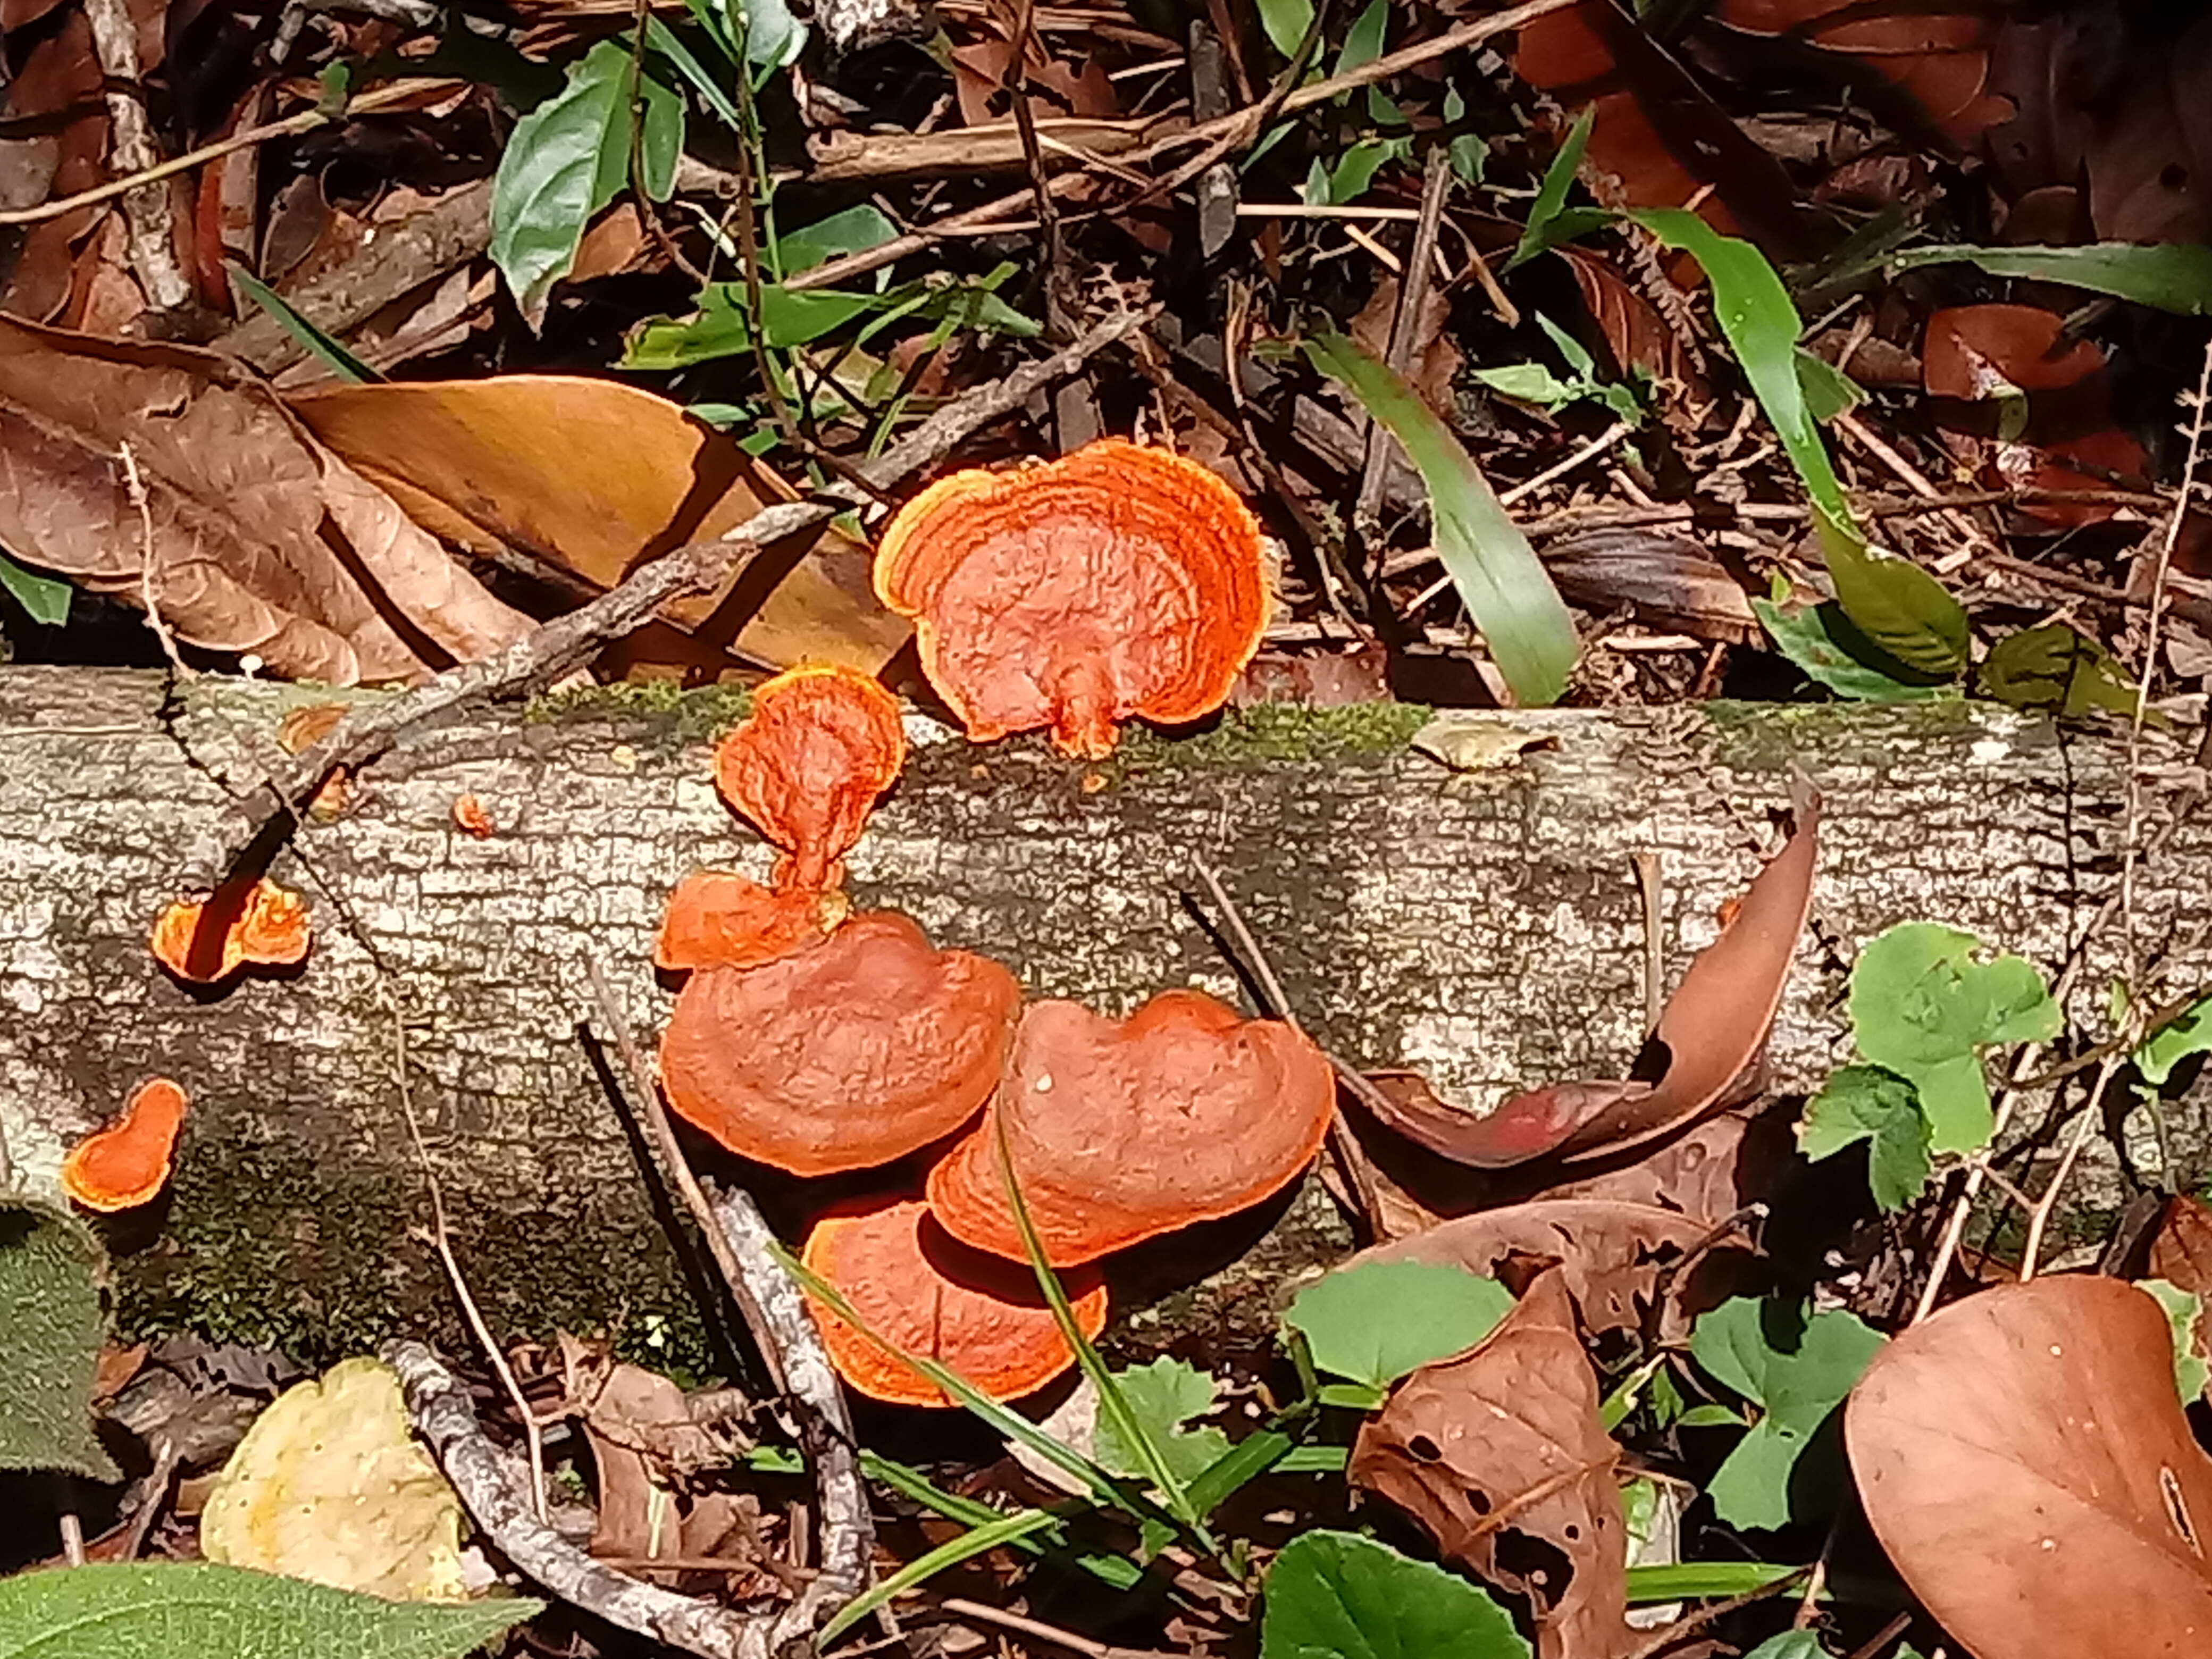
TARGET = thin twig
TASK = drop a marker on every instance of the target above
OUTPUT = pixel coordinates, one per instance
(1650, 898)
(2038, 1218)
(441, 1239)
(1405, 329)
(1351, 1161)
(148, 588)
(274, 807)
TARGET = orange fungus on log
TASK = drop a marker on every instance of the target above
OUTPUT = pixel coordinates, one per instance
(127, 1163)
(858, 1050)
(930, 1296)
(719, 918)
(270, 930)
(805, 767)
(1118, 1132)
(1117, 582)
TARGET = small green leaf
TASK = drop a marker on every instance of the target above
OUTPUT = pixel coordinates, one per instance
(1924, 1002)
(659, 138)
(1799, 1369)
(774, 35)
(1865, 1103)
(2173, 277)
(44, 600)
(1376, 1321)
(1364, 41)
(51, 1324)
(1164, 1396)
(1822, 641)
(1828, 391)
(853, 231)
(2185, 1313)
(2188, 1033)
(1355, 169)
(1695, 1580)
(1339, 1595)
(1532, 383)
(177, 1610)
(1527, 626)
(1791, 1644)
(1542, 230)
(563, 162)
(1286, 22)
(1897, 605)
(2054, 668)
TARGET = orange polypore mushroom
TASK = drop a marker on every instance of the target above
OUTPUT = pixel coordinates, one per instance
(718, 919)
(930, 1296)
(127, 1163)
(1118, 581)
(1182, 1113)
(270, 930)
(858, 1050)
(821, 743)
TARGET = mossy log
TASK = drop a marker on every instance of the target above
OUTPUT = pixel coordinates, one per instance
(1487, 926)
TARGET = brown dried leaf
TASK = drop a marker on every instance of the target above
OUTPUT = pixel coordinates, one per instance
(1503, 1443)
(2024, 1458)
(1635, 332)
(1939, 60)
(1671, 582)
(594, 477)
(2181, 1252)
(260, 540)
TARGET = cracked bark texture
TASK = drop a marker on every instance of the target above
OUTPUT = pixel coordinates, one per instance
(1484, 926)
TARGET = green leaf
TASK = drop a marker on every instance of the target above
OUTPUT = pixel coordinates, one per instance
(1822, 641)
(51, 1324)
(853, 231)
(324, 350)
(1376, 1321)
(1696, 1580)
(1924, 1003)
(1799, 1369)
(563, 162)
(1865, 1103)
(44, 600)
(774, 35)
(1355, 169)
(2054, 668)
(198, 1611)
(2188, 1033)
(1893, 602)
(1791, 1644)
(1021, 1527)
(659, 138)
(1162, 1396)
(1364, 41)
(1286, 22)
(664, 41)
(1339, 1595)
(1543, 228)
(2185, 1313)
(2173, 277)
(1828, 391)
(1532, 383)
(1526, 625)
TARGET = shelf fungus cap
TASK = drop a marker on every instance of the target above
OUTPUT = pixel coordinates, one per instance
(852, 1053)
(1183, 1113)
(917, 1287)
(270, 930)
(807, 766)
(1118, 581)
(719, 918)
(126, 1162)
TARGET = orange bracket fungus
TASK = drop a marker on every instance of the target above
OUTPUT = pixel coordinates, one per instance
(718, 919)
(917, 1288)
(126, 1163)
(1117, 582)
(858, 1050)
(270, 930)
(1183, 1112)
(821, 743)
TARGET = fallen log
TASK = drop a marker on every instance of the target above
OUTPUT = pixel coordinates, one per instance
(1485, 926)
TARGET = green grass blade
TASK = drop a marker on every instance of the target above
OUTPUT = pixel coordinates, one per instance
(1897, 606)
(1552, 194)
(2172, 277)
(1005, 1529)
(1683, 1581)
(1527, 627)
(316, 343)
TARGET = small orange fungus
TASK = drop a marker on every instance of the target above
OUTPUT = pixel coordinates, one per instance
(1184, 1112)
(1118, 581)
(806, 767)
(472, 817)
(918, 1288)
(127, 1163)
(855, 1051)
(270, 930)
(719, 918)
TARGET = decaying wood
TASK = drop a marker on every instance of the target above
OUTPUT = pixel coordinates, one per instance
(1486, 926)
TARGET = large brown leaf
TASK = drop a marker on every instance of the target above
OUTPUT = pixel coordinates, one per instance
(258, 540)
(1713, 1027)
(2024, 1458)
(594, 477)
(1504, 1444)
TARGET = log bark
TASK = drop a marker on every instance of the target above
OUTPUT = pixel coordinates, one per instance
(1486, 926)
